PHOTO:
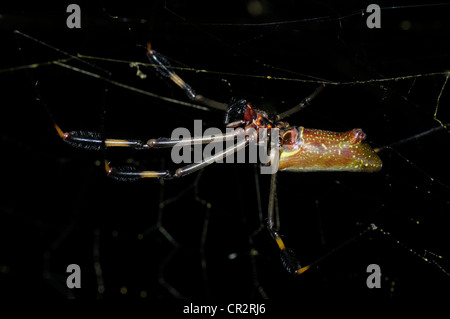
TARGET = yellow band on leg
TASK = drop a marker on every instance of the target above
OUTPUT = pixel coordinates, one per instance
(118, 143)
(280, 243)
(302, 270)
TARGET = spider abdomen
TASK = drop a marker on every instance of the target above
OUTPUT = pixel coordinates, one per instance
(319, 150)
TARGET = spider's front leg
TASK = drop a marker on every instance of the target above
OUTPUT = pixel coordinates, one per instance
(129, 173)
(163, 67)
(94, 141)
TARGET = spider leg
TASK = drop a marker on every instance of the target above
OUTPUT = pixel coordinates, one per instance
(94, 140)
(290, 261)
(131, 174)
(301, 105)
(162, 66)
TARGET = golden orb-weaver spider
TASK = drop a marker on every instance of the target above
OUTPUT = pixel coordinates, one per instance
(297, 149)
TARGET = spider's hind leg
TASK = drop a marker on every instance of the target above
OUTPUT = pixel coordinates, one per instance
(288, 258)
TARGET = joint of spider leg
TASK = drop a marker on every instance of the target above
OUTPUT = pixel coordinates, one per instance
(108, 168)
(168, 175)
(306, 101)
(151, 143)
(149, 49)
(81, 139)
(116, 174)
(144, 146)
(161, 142)
(61, 133)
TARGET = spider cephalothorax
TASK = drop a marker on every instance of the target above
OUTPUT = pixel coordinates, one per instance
(242, 113)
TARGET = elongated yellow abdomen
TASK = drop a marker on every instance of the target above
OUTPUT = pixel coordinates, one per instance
(317, 150)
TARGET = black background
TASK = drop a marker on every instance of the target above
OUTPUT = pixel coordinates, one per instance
(58, 206)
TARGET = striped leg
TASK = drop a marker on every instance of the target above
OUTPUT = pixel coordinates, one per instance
(288, 257)
(162, 66)
(94, 141)
(130, 174)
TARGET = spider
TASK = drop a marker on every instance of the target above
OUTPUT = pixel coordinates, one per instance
(296, 149)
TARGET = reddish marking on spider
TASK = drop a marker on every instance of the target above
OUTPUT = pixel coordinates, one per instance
(149, 48)
(249, 114)
(61, 133)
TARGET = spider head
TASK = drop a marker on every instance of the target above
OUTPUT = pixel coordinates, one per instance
(241, 113)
